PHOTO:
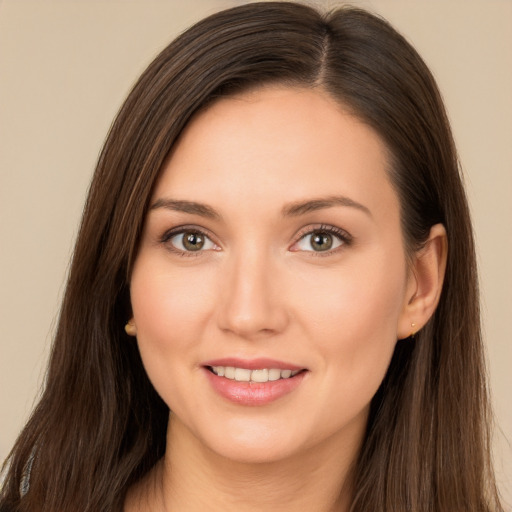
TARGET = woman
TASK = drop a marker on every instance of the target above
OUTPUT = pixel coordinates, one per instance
(277, 203)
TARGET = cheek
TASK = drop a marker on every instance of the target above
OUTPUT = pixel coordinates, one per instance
(364, 295)
(169, 305)
(170, 308)
(351, 317)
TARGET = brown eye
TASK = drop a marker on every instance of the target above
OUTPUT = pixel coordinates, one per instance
(321, 241)
(191, 241)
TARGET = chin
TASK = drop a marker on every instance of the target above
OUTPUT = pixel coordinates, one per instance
(255, 453)
(250, 442)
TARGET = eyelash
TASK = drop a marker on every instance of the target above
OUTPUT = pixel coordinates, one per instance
(168, 235)
(343, 236)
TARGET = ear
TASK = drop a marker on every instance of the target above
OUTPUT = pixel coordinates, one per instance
(424, 283)
(131, 328)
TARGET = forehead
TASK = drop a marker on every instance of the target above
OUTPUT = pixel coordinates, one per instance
(278, 143)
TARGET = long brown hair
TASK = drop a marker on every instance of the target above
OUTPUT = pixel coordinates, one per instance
(100, 425)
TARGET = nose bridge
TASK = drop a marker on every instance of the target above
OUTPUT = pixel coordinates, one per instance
(250, 305)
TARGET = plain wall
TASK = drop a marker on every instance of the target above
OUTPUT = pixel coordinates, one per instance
(65, 68)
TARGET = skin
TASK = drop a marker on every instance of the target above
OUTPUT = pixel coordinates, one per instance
(258, 288)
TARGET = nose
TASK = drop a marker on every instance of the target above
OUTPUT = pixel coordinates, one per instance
(252, 300)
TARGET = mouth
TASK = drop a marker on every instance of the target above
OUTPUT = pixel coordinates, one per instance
(259, 375)
(253, 382)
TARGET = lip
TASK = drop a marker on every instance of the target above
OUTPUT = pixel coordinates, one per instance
(253, 393)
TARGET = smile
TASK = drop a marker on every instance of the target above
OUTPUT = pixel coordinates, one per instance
(258, 375)
(253, 382)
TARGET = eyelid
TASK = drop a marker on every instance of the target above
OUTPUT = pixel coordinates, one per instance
(344, 236)
(170, 233)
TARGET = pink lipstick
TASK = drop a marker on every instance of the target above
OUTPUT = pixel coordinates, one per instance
(253, 382)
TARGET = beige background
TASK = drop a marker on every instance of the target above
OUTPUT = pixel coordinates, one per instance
(65, 68)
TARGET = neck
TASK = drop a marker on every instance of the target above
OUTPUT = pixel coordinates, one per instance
(192, 478)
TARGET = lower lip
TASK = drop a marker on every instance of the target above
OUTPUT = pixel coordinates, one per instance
(253, 393)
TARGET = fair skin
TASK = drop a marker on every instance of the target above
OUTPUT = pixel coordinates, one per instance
(273, 240)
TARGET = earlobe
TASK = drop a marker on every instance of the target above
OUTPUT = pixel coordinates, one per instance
(130, 328)
(425, 283)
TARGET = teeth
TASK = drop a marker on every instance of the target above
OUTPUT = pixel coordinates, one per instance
(260, 375)
(274, 374)
(242, 375)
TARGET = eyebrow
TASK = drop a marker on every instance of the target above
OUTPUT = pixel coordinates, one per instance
(187, 207)
(294, 209)
(302, 207)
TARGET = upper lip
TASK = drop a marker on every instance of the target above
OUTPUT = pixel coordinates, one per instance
(253, 364)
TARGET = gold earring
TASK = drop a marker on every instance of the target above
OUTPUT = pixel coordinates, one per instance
(130, 328)
(413, 330)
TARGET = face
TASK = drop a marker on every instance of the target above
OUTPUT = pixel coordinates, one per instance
(271, 275)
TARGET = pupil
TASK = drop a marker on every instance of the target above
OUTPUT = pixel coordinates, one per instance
(193, 241)
(321, 241)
